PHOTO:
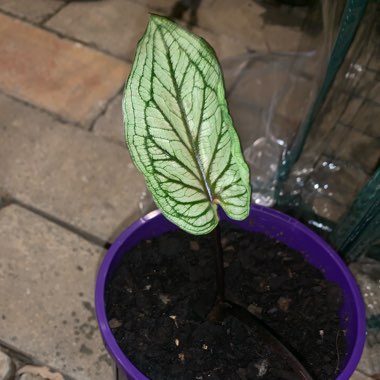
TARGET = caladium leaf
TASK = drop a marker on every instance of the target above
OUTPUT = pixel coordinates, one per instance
(179, 131)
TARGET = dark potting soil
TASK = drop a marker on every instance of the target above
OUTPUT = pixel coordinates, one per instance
(160, 296)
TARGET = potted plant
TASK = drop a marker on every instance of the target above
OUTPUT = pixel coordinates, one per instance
(157, 297)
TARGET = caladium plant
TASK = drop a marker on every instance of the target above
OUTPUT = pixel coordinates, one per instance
(179, 130)
(181, 137)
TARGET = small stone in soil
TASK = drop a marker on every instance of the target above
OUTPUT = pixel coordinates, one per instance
(283, 303)
(254, 309)
(114, 323)
(164, 298)
(194, 245)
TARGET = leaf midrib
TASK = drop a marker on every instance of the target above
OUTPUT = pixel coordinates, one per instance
(195, 156)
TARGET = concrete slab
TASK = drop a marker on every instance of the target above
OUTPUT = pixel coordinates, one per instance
(112, 25)
(61, 76)
(359, 376)
(34, 11)
(47, 279)
(67, 172)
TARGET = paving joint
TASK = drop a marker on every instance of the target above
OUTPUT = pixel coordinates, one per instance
(104, 110)
(356, 129)
(21, 358)
(5, 201)
(352, 93)
(366, 101)
(56, 117)
(372, 70)
(113, 141)
(87, 44)
(369, 100)
(48, 17)
(63, 36)
(67, 226)
(16, 354)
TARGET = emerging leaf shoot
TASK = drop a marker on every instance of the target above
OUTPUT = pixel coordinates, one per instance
(179, 131)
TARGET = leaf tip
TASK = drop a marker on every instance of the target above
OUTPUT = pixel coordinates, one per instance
(159, 20)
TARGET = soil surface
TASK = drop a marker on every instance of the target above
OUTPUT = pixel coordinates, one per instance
(159, 299)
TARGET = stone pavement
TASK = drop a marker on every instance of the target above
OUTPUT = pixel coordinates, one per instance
(68, 186)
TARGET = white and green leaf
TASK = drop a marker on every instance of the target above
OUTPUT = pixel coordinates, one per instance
(179, 131)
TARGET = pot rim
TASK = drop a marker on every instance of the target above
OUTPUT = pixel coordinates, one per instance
(353, 289)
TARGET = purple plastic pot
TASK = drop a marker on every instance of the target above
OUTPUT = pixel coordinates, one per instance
(261, 219)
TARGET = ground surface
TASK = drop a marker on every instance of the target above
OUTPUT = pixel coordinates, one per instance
(67, 185)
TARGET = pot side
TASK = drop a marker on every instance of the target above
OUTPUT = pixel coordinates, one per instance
(263, 220)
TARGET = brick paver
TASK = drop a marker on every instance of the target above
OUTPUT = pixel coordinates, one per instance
(110, 125)
(367, 119)
(34, 11)
(46, 295)
(123, 23)
(374, 92)
(347, 177)
(224, 45)
(353, 106)
(374, 63)
(67, 172)
(166, 5)
(243, 22)
(255, 25)
(353, 146)
(112, 25)
(63, 77)
(285, 39)
(295, 98)
(362, 82)
(326, 208)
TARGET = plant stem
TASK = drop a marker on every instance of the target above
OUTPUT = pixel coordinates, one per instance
(270, 338)
(219, 266)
